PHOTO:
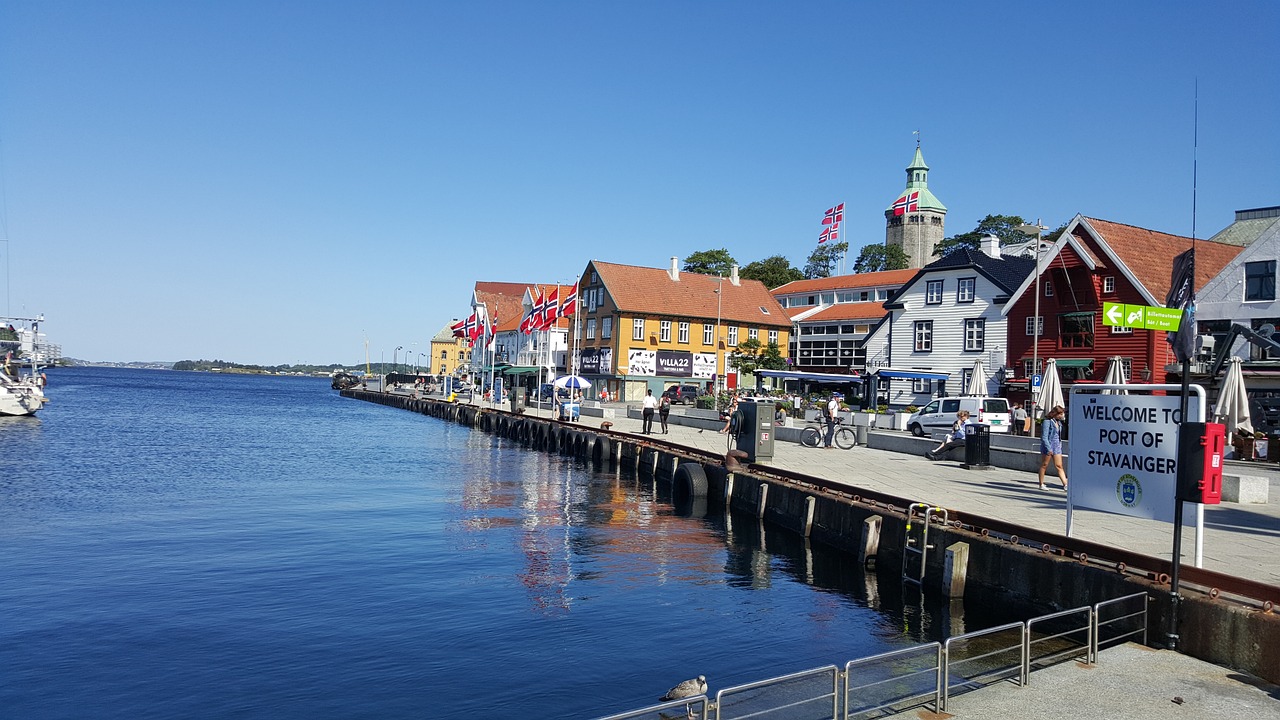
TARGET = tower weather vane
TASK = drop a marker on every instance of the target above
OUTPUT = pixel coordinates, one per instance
(917, 134)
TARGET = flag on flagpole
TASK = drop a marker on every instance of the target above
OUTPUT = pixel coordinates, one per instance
(1181, 293)
(909, 202)
(834, 216)
(570, 303)
(537, 311)
(829, 233)
(551, 308)
(459, 328)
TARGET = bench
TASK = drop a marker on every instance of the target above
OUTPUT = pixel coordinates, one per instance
(1247, 489)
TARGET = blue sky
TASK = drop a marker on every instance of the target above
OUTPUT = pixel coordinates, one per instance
(276, 182)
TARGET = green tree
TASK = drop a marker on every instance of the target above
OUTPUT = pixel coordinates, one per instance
(772, 271)
(879, 256)
(772, 358)
(746, 357)
(710, 262)
(823, 259)
(1004, 227)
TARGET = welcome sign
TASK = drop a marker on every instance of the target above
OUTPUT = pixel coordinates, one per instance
(1124, 453)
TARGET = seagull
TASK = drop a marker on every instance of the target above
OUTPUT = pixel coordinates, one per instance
(687, 689)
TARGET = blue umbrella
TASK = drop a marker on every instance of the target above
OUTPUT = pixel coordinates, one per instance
(573, 382)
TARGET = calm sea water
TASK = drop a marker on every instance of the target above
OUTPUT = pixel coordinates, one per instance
(193, 545)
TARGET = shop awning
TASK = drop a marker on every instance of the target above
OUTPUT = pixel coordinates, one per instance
(892, 374)
(1079, 313)
(808, 376)
(520, 369)
(1074, 362)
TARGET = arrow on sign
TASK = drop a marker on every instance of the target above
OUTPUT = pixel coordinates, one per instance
(1115, 313)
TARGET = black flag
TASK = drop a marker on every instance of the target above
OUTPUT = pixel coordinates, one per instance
(1181, 295)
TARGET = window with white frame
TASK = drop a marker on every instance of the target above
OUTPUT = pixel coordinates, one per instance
(933, 292)
(707, 338)
(975, 330)
(591, 328)
(1048, 289)
(1031, 326)
(966, 289)
(606, 328)
(1028, 368)
(1108, 284)
(924, 336)
(637, 329)
(861, 329)
(733, 336)
(753, 334)
(682, 333)
(773, 337)
(1126, 368)
(1118, 330)
(591, 300)
(922, 387)
(882, 294)
(664, 331)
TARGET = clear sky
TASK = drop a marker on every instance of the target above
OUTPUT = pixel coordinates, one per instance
(276, 182)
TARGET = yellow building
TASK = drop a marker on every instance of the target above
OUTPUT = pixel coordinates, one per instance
(643, 328)
(449, 353)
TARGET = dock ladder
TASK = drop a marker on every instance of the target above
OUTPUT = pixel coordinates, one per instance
(916, 545)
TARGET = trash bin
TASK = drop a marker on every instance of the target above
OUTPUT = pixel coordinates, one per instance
(977, 447)
(860, 431)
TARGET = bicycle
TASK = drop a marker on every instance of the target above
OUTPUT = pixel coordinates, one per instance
(812, 434)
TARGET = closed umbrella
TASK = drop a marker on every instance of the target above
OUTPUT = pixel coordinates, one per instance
(573, 382)
(1115, 376)
(1232, 409)
(1050, 388)
(977, 380)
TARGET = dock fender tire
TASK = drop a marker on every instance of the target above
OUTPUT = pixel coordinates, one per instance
(601, 450)
(689, 482)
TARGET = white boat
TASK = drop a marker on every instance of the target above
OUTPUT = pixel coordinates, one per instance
(21, 393)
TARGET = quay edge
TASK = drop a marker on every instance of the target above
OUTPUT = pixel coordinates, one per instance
(1213, 627)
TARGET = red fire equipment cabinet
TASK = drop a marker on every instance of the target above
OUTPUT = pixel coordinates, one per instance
(1200, 450)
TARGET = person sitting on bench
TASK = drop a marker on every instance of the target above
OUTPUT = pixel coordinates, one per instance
(954, 439)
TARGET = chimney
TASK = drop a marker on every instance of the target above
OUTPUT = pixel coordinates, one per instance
(733, 275)
(991, 245)
(674, 272)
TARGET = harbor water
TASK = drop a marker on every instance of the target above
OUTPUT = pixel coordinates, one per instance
(200, 545)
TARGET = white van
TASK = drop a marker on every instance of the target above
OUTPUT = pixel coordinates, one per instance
(940, 414)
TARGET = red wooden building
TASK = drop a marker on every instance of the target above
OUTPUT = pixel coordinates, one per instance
(1095, 261)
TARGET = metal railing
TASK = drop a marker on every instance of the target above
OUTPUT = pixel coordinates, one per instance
(901, 679)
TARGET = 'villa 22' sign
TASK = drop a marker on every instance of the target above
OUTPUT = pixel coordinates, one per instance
(1147, 317)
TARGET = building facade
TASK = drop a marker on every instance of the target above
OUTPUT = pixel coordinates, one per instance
(448, 352)
(643, 328)
(916, 221)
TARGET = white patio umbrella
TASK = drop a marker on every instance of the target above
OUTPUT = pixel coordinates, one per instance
(977, 380)
(573, 382)
(1115, 376)
(1050, 389)
(1232, 409)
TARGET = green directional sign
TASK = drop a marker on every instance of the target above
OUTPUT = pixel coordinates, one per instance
(1147, 317)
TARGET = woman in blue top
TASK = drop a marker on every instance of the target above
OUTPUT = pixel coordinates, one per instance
(1051, 445)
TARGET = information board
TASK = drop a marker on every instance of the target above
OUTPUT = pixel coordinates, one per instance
(1124, 453)
(1147, 317)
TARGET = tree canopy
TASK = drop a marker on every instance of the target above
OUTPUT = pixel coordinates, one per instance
(879, 256)
(751, 355)
(1004, 227)
(823, 259)
(710, 262)
(772, 271)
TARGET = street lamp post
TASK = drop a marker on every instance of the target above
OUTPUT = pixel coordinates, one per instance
(395, 364)
(719, 367)
(1038, 230)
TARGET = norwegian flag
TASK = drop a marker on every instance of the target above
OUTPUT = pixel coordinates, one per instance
(550, 308)
(834, 216)
(459, 328)
(537, 312)
(909, 202)
(829, 233)
(471, 327)
(526, 323)
(570, 303)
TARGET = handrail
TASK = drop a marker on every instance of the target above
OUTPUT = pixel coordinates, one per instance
(834, 671)
(1028, 642)
(1098, 624)
(946, 667)
(916, 649)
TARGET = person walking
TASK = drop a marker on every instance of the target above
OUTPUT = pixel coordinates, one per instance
(1051, 444)
(646, 414)
(1019, 420)
(664, 411)
(833, 407)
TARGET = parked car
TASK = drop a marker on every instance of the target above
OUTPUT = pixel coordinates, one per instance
(940, 414)
(682, 393)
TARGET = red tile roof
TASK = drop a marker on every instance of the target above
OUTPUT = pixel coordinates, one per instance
(1149, 254)
(651, 291)
(504, 301)
(845, 282)
(849, 311)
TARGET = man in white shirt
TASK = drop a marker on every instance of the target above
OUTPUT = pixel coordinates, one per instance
(646, 415)
(833, 407)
